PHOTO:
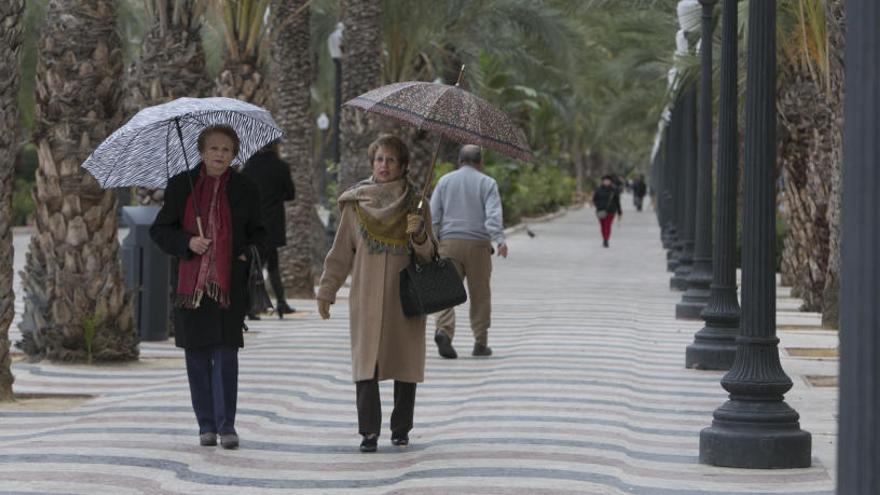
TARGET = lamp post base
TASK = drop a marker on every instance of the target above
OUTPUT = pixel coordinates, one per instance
(767, 445)
(692, 304)
(712, 349)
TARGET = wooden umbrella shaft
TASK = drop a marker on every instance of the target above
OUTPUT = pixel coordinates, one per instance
(430, 178)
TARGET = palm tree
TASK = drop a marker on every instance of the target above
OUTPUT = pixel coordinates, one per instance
(244, 30)
(171, 65)
(76, 305)
(291, 74)
(810, 102)
(361, 52)
(11, 14)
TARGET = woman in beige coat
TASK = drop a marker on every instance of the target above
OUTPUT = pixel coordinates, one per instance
(377, 231)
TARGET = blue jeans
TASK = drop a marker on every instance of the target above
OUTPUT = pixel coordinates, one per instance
(213, 386)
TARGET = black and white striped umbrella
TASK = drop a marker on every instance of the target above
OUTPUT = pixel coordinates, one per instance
(148, 150)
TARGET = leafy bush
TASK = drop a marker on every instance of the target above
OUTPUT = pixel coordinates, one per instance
(22, 202)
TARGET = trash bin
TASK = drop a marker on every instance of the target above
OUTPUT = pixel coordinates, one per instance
(146, 270)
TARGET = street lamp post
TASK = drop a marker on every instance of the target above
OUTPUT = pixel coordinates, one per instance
(334, 45)
(695, 299)
(755, 428)
(714, 345)
(688, 186)
(674, 186)
(859, 435)
(323, 124)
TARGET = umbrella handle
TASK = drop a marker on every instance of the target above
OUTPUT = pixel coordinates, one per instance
(199, 225)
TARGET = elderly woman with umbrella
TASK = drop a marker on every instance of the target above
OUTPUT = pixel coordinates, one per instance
(209, 222)
(380, 227)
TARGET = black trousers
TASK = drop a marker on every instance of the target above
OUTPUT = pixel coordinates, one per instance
(369, 407)
(271, 264)
(213, 386)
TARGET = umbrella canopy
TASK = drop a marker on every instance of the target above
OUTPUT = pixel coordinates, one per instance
(449, 111)
(148, 149)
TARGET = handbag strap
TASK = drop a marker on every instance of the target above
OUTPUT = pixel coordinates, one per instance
(412, 250)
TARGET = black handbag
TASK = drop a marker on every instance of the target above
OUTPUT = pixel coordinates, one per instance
(431, 287)
(258, 298)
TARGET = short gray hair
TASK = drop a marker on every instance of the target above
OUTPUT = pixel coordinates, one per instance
(470, 153)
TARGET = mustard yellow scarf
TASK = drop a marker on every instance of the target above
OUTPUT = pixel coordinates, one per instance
(381, 212)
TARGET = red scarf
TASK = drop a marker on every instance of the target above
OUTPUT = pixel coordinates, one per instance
(209, 273)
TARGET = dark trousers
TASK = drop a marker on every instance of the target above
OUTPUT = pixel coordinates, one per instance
(369, 407)
(271, 263)
(213, 386)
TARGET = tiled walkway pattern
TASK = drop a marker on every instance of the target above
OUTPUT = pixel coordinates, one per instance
(586, 393)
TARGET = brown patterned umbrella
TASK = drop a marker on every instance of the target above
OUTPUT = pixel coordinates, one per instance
(449, 111)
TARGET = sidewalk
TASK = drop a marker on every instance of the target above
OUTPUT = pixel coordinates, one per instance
(586, 393)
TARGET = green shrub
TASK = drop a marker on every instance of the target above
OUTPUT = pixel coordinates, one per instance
(22, 201)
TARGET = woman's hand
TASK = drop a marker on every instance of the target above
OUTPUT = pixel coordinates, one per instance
(415, 224)
(199, 245)
(324, 309)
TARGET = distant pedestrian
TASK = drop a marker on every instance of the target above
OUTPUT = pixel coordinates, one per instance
(467, 216)
(639, 189)
(272, 176)
(210, 216)
(378, 229)
(606, 199)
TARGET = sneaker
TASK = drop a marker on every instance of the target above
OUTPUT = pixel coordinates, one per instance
(208, 439)
(481, 350)
(370, 443)
(605, 243)
(444, 345)
(400, 440)
(229, 441)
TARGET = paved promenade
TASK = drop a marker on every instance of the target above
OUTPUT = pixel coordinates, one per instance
(586, 394)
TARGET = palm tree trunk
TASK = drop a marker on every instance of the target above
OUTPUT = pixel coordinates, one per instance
(11, 14)
(73, 278)
(361, 52)
(171, 65)
(806, 153)
(831, 293)
(291, 82)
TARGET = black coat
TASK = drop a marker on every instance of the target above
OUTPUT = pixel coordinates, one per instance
(607, 198)
(272, 176)
(209, 324)
(639, 188)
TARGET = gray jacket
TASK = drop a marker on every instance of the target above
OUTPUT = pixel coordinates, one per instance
(466, 205)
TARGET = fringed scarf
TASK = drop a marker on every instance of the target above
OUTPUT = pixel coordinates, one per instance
(381, 210)
(208, 274)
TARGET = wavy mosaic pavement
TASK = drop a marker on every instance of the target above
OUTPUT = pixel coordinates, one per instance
(586, 393)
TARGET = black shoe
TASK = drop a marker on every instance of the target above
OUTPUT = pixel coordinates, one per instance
(605, 243)
(253, 317)
(370, 443)
(444, 345)
(481, 350)
(229, 440)
(282, 308)
(400, 440)
(208, 439)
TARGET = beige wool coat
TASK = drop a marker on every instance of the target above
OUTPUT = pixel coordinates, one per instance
(383, 340)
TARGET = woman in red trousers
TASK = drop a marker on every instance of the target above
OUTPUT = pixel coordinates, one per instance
(606, 199)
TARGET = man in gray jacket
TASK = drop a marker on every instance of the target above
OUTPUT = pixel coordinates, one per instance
(467, 218)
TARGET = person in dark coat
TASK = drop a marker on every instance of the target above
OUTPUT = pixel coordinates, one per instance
(272, 176)
(606, 199)
(210, 218)
(640, 189)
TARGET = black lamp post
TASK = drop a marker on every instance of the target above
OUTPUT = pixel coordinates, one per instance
(688, 184)
(756, 428)
(859, 435)
(697, 295)
(714, 345)
(675, 186)
(334, 45)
